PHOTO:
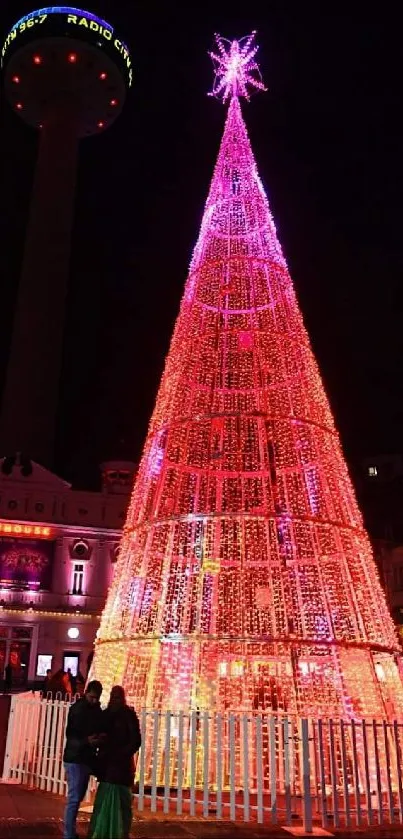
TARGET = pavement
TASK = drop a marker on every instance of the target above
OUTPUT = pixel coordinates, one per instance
(25, 814)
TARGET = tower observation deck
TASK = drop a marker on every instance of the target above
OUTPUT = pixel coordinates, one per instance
(66, 73)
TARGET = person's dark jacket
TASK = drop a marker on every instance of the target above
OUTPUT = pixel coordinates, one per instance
(123, 740)
(47, 686)
(84, 720)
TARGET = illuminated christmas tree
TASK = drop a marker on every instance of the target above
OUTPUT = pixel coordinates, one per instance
(246, 579)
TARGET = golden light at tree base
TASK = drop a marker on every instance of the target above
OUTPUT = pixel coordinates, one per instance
(246, 580)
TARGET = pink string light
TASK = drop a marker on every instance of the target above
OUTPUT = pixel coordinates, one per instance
(245, 579)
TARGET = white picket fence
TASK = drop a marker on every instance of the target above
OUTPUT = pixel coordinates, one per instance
(249, 767)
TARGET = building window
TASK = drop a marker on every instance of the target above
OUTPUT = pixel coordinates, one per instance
(372, 471)
(78, 578)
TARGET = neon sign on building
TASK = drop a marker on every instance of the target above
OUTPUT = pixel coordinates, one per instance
(15, 529)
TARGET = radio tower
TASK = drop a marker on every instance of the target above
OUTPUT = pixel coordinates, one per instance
(246, 579)
(66, 74)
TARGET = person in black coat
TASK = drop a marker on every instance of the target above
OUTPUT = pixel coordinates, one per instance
(47, 684)
(84, 726)
(122, 739)
(73, 682)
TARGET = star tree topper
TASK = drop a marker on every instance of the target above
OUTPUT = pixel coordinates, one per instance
(235, 68)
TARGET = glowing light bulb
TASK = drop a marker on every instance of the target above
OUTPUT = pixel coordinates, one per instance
(16, 79)
(101, 124)
(114, 102)
(72, 57)
(38, 59)
(103, 76)
(380, 672)
(19, 106)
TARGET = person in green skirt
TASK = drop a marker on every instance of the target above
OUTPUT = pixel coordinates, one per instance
(112, 815)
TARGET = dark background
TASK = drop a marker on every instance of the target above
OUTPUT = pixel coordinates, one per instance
(328, 141)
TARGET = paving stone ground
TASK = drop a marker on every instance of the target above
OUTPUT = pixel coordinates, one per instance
(31, 814)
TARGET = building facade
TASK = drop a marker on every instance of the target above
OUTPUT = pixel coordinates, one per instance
(58, 547)
(379, 481)
(390, 563)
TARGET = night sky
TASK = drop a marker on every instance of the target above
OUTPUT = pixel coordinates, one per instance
(328, 140)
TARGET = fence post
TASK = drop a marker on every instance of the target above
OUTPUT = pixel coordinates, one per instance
(388, 774)
(378, 772)
(259, 766)
(398, 769)
(167, 766)
(367, 775)
(356, 773)
(287, 772)
(344, 773)
(179, 797)
(206, 764)
(193, 759)
(141, 762)
(9, 740)
(322, 773)
(245, 733)
(306, 778)
(156, 721)
(232, 765)
(273, 770)
(219, 765)
(5, 706)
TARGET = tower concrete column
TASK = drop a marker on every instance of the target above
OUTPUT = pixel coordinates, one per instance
(30, 398)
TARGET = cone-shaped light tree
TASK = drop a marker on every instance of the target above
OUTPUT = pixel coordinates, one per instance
(245, 578)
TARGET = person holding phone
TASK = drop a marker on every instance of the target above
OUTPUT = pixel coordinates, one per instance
(83, 735)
